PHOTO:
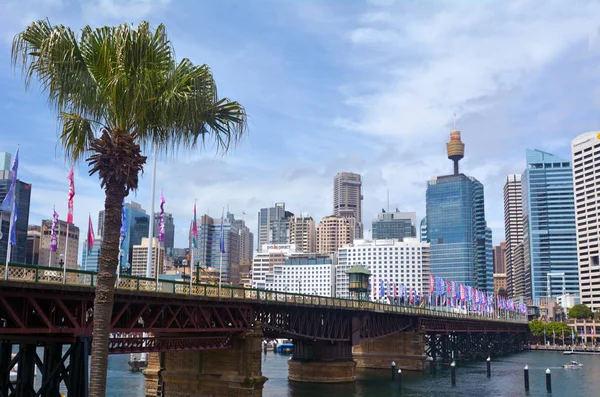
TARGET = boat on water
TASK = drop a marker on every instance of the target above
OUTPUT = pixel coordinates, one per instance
(284, 346)
(138, 362)
(572, 365)
(568, 352)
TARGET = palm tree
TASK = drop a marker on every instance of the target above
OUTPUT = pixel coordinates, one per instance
(117, 90)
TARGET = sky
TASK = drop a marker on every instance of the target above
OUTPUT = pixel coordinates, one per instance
(329, 86)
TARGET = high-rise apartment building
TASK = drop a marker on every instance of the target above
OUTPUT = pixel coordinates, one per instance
(456, 226)
(303, 234)
(55, 259)
(23, 197)
(169, 242)
(32, 250)
(516, 278)
(91, 259)
(140, 257)
(347, 200)
(394, 225)
(273, 225)
(549, 233)
(333, 232)
(397, 262)
(585, 150)
(137, 227)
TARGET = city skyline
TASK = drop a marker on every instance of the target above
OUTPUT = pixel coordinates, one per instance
(493, 103)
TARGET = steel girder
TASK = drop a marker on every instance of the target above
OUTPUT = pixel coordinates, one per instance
(141, 344)
(468, 326)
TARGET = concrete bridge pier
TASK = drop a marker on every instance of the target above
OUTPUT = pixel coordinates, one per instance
(321, 362)
(406, 349)
(235, 372)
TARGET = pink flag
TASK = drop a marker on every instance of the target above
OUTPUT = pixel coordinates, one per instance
(431, 284)
(90, 236)
(395, 289)
(70, 197)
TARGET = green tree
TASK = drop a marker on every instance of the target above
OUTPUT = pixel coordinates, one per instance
(580, 312)
(537, 328)
(117, 90)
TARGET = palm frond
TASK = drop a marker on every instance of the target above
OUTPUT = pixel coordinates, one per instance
(77, 134)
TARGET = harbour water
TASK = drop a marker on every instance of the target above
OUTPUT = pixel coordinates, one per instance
(506, 379)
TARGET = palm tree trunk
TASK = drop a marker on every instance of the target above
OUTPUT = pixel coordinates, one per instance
(105, 285)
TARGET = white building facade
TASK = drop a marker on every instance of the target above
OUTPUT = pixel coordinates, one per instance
(308, 274)
(585, 150)
(264, 261)
(395, 262)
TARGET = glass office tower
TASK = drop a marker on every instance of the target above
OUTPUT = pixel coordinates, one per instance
(457, 230)
(549, 238)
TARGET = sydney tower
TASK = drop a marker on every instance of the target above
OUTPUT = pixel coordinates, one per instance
(455, 149)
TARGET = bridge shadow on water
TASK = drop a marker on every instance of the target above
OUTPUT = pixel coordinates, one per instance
(506, 379)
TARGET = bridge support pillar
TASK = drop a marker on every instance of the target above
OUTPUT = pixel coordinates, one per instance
(221, 373)
(407, 349)
(321, 362)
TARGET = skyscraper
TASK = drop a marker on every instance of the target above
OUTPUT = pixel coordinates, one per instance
(423, 237)
(169, 242)
(586, 177)
(456, 226)
(246, 240)
(23, 197)
(72, 256)
(500, 258)
(208, 253)
(516, 279)
(549, 238)
(137, 227)
(347, 200)
(333, 232)
(90, 260)
(394, 225)
(101, 224)
(5, 159)
(273, 225)
(303, 234)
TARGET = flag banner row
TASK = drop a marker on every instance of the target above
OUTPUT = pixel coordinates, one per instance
(448, 294)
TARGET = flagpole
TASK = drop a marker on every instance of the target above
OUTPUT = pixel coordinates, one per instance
(151, 231)
(65, 261)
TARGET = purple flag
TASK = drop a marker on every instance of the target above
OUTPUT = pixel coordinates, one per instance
(161, 219)
(53, 241)
(13, 231)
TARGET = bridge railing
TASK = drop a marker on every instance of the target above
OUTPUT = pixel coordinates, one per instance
(50, 275)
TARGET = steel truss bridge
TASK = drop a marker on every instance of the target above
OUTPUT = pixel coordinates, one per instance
(40, 307)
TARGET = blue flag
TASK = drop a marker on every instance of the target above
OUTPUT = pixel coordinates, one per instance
(13, 231)
(7, 203)
(381, 293)
(221, 239)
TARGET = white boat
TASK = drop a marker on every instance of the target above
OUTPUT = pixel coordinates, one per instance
(572, 365)
(568, 352)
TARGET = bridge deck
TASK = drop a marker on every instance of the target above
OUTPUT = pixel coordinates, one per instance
(141, 286)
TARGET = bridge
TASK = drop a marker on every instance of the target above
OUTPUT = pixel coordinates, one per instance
(210, 344)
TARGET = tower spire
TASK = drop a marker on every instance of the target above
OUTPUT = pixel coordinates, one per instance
(455, 148)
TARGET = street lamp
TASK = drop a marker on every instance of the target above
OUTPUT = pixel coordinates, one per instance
(61, 260)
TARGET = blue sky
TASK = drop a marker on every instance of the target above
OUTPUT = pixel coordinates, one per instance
(329, 86)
